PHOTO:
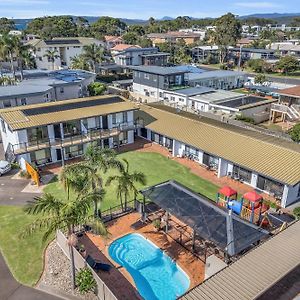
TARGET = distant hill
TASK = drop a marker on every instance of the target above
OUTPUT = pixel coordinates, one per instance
(285, 18)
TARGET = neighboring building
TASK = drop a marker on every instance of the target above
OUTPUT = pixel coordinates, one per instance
(288, 106)
(174, 37)
(219, 79)
(251, 53)
(152, 81)
(51, 132)
(198, 31)
(202, 53)
(268, 164)
(66, 49)
(112, 41)
(270, 271)
(245, 42)
(133, 56)
(203, 99)
(286, 49)
(45, 86)
(122, 47)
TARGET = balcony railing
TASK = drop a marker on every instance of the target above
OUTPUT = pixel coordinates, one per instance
(83, 137)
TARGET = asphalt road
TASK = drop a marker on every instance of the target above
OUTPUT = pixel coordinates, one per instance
(10, 289)
(285, 80)
(10, 190)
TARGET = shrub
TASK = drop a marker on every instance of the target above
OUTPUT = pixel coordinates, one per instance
(25, 174)
(156, 224)
(296, 212)
(96, 88)
(85, 280)
(245, 119)
(294, 133)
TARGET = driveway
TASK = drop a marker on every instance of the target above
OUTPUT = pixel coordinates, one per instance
(10, 289)
(10, 190)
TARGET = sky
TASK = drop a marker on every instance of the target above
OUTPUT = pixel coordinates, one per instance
(143, 9)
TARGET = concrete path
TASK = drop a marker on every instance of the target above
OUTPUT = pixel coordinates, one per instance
(10, 289)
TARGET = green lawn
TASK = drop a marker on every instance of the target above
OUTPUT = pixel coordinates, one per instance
(157, 168)
(24, 256)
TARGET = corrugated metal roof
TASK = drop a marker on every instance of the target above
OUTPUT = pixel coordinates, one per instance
(254, 273)
(17, 118)
(270, 156)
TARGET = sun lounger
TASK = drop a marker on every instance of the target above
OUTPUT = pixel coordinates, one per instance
(96, 265)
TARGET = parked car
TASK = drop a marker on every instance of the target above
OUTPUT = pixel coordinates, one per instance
(5, 167)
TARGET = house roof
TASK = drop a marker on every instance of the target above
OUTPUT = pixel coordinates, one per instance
(158, 70)
(193, 91)
(174, 34)
(122, 47)
(254, 273)
(21, 117)
(293, 91)
(214, 74)
(109, 38)
(266, 155)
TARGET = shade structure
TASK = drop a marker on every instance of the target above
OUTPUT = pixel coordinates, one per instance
(227, 191)
(216, 224)
(253, 196)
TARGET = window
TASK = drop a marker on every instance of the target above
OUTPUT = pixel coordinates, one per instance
(41, 157)
(38, 49)
(6, 103)
(125, 117)
(172, 98)
(135, 73)
(3, 126)
(114, 119)
(23, 101)
(40, 59)
(270, 186)
(62, 90)
(146, 76)
(181, 99)
(242, 174)
(161, 94)
(152, 93)
(73, 151)
(75, 47)
(37, 135)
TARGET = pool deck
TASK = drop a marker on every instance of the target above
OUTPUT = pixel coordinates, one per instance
(119, 280)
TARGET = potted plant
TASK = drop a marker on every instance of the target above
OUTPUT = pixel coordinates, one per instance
(156, 224)
(85, 281)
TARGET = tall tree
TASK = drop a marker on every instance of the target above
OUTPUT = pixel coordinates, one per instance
(79, 62)
(227, 31)
(52, 55)
(126, 183)
(7, 49)
(288, 64)
(6, 25)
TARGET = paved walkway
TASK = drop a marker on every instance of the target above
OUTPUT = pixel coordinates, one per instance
(10, 289)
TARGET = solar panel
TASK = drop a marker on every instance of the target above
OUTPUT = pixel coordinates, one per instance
(61, 42)
(71, 105)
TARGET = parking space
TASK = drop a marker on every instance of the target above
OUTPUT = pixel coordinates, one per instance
(11, 190)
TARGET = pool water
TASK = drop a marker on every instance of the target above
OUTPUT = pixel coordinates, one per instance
(155, 275)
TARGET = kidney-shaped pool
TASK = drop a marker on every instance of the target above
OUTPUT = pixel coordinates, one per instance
(155, 275)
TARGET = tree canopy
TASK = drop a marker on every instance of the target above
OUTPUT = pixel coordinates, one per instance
(288, 64)
(6, 25)
(294, 132)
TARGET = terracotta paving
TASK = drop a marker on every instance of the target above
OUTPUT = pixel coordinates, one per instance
(119, 278)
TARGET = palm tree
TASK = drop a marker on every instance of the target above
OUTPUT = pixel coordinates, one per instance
(7, 47)
(57, 214)
(94, 54)
(97, 161)
(126, 183)
(52, 55)
(79, 62)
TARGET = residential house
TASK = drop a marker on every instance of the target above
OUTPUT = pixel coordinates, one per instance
(286, 49)
(251, 53)
(266, 163)
(46, 86)
(174, 37)
(136, 56)
(65, 49)
(219, 79)
(112, 41)
(202, 53)
(152, 81)
(51, 132)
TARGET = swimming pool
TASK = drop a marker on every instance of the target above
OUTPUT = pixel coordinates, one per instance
(155, 275)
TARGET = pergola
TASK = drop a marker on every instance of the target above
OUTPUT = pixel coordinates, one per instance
(216, 224)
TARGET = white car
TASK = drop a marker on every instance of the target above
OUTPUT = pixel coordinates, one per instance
(4, 167)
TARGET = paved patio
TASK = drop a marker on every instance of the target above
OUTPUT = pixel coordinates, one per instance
(119, 280)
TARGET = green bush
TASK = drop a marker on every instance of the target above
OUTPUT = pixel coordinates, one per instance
(24, 174)
(245, 119)
(296, 212)
(96, 88)
(294, 133)
(85, 280)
